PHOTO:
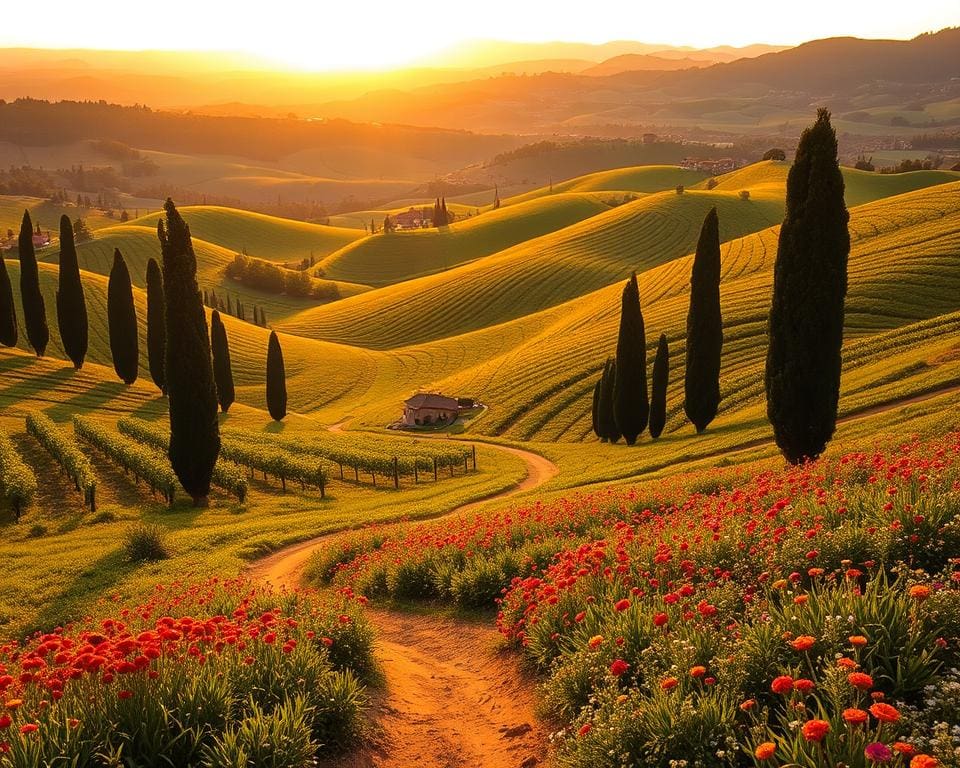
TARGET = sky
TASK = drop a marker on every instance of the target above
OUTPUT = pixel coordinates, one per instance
(350, 34)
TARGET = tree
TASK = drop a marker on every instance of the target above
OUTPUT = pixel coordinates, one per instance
(122, 321)
(81, 233)
(774, 154)
(276, 379)
(222, 371)
(194, 429)
(71, 305)
(809, 288)
(658, 388)
(630, 405)
(605, 419)
(701, 382)
(156, 325)
(595, 409)
(8, 310)
(34, 310)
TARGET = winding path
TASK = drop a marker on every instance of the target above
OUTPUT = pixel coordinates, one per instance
(453, 699)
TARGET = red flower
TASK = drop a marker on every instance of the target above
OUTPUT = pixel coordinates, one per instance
(884, 712)
(855, 716)
(622, 605)
(815, 730)
(860, 681)
(29, 728)
(803, 643)
(619, 667)
(765, 751)
(782, 685)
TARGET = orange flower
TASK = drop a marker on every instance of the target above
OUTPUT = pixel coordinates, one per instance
(595, 641)
(858, 641)
(815, 730)
(765, 751)
(919, 591)
(847, 663)
(903, 748)
(884, 712)
(698, 671)
(669, 683)
(747, 705)
(924, 761)
(803, 643)
(14, 703)
(860, 680)
(855, 716)
(803, 685)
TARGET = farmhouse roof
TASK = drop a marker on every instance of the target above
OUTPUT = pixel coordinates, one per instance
(432, 400)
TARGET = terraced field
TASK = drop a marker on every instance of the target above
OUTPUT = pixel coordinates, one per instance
(533, 275)
(389, 258)
(266, 237)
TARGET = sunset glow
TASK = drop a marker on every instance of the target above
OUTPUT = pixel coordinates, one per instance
(374, 34)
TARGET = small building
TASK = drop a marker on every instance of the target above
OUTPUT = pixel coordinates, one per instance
(428, 408)
(414, 218)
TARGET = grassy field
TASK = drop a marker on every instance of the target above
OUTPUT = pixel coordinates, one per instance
(525, 329)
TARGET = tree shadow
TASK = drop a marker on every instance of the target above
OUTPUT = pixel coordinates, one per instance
(93, 582)
(28, 388)
(97, 396)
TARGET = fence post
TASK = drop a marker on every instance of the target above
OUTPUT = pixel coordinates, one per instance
(373, 476)
(322, 484)
(416, 475)
(434, 469)
(474, 449)
(465, 469)
(396, 473)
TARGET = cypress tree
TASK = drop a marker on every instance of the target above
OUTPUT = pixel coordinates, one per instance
(595, 410)
(701, 381)
(8, 310)
(34, 310)
(222, 372)
(229, 305)
(156, 325)
(630, 405)
(194, 429)
(605, 419)
(122, 321)
(276, 379)
(71, 305)
(809, 287)
(263, 317)
(658, 388)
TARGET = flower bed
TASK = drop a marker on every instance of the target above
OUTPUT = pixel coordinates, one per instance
(218, 674)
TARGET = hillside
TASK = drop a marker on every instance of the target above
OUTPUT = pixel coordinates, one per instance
(533, 275)
(389, 258)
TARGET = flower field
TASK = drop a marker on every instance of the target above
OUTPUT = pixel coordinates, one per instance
(216, 674)
(801, 617)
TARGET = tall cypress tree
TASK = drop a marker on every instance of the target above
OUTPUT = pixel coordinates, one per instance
(156, 325)
(809, 288)
(658, 388)
(122, 321)
(222, 371)
(71, 305)
(8, 310)
(605, 417)
(276, 379)
(595, 409)
(34, 310)
(704, 329)
(194, 429)
(630, 405)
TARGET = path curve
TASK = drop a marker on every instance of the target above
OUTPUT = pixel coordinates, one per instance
(284, 567)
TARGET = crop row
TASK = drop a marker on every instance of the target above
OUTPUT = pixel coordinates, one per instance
(346, 452)
(131, 456)
(226, 474)
(263, 456)
(17, 481)
(63, 447)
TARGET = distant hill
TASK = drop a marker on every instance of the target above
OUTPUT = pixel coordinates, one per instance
(631, 62)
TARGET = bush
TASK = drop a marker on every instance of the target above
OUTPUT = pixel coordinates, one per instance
(145, 543)
(774, 154)
(744, 194)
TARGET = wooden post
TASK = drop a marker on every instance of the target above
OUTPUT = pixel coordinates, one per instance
(356, 474)
(396, 473)
(373, 476)
(474, 448)
(465, 470)
(416, 475)
(341, 471)
(322, 486)
(434, 469)
(451, 469)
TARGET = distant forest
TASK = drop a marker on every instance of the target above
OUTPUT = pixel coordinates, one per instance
(33, 122)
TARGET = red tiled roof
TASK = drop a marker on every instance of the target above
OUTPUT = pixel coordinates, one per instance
(432, 400)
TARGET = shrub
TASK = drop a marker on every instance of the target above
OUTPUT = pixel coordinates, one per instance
(145, 543)
(744, 194)
(280, 738)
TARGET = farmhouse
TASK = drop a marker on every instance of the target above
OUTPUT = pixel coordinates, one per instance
(414, 218)
(430, 408)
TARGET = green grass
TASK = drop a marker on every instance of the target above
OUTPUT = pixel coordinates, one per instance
(389, 258)
(266, 237)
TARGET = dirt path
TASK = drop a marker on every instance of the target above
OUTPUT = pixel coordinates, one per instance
(285, 567)
(452, 698)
